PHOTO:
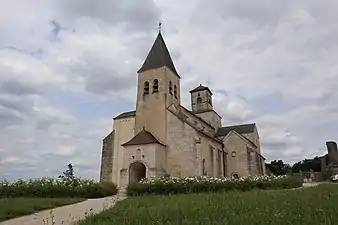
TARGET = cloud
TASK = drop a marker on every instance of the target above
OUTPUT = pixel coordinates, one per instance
(67, 70)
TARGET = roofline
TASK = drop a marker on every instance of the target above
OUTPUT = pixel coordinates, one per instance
(155, 143)
(166, 67)
(197, 130)
(205, 122)
(108, 135)
(241, 136)
(208, 111)
(206, 89)
(124, 116)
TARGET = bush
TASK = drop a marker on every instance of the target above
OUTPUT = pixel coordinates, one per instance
(52, 188)
(165, 186)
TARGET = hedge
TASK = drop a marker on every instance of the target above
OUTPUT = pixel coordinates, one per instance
(173, 185)
(57, 188)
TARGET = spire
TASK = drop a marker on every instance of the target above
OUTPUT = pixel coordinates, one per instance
(158, 56)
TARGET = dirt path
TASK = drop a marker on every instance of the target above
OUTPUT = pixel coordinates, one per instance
(66, 215)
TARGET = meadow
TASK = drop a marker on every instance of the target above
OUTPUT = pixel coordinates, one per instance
(310, 206)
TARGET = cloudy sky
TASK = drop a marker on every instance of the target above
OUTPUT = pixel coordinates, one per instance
(68, 67)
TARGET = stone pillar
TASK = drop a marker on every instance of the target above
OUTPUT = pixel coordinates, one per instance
(215, 162)
(198, 157)
(220, 153)
(263, 166)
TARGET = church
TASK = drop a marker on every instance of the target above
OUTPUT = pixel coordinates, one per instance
(161, 137)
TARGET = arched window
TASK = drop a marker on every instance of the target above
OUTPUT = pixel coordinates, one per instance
(175, 91)
(199, 100)
(146, 88)
(170, 88)
(155, 86)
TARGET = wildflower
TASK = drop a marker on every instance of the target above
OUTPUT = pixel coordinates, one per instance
(270, 217)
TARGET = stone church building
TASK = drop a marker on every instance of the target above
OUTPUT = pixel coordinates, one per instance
(161, 137)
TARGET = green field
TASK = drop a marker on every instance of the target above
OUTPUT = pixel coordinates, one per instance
(15, 207)
(306, 206)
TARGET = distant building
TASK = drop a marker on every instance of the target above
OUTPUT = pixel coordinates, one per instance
(161, 137)
(330, 161)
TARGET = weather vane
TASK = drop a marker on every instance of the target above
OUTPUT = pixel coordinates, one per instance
(159, 26)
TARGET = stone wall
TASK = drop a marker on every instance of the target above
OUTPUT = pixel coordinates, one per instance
(237, 158)
(211, 117)
(107, 158)
(123, 132)
(188, 150)
(182, 154)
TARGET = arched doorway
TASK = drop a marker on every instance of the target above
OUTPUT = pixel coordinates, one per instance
(137, 171)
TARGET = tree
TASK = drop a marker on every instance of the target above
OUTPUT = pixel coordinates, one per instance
(278, 167)
(307, 165)
(69, 173)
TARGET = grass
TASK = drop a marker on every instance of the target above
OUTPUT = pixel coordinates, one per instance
(15, 207)
(310, 206)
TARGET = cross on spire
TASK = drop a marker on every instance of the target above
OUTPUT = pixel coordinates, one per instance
(159, 26)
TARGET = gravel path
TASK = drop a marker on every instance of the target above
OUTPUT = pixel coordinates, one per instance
(66, 215)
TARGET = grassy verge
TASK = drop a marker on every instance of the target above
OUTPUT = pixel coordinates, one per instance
(310, 206)
(15, 207)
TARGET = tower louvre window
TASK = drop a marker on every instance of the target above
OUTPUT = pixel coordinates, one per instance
(170, 88)
(146, 88)
(175, 91)
(155, 86)
(199, 100)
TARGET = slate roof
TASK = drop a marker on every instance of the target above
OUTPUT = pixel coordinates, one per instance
(158, 56)
(142, 138)
(125, 114)
(241, 129)
(200, 88)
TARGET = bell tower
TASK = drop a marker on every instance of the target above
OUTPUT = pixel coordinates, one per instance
(201, 105)
(158, 87)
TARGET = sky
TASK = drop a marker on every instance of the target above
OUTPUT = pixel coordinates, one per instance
(68, 67)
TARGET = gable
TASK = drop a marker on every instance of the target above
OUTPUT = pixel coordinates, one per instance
(142, 138)
(232, 132)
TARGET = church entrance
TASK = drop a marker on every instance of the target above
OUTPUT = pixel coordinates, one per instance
(137, 171)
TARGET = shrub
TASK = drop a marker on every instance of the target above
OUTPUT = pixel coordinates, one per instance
(173, 185)
(51, 188)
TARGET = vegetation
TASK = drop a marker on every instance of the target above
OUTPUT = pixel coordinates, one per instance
(310, 206)
(278, 167)
(15, 207)
(172, 185)
(69, 173)
(56, 188)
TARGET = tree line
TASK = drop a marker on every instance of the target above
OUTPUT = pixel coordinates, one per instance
(278, 167)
